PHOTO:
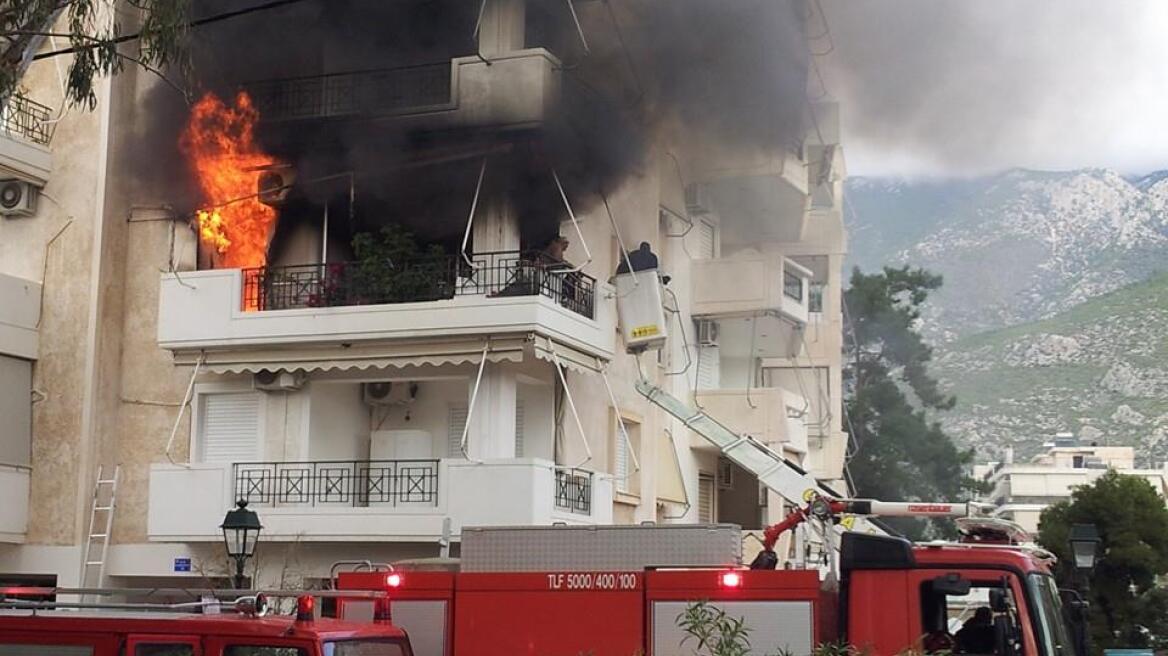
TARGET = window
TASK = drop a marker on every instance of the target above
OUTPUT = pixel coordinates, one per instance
(815, 296)
(706, 494)
(164, 649)
(364, 648)
(1054, 635)
(518, 428)
(623, 465)
(263, 650)
(707, 241)
(229, 427)
(455, 425)
(14, 649)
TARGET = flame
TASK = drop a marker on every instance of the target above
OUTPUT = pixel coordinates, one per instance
(235, 227)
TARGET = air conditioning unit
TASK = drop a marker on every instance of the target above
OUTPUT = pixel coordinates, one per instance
(697, 199)
(279, 380)
(18, 198)
(707, 332)
(377, 393)
(275, 183)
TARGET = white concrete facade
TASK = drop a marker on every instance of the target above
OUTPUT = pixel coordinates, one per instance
(479, 424)
(1021, 491)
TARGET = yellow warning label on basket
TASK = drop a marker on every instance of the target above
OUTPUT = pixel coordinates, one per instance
(848, 522)
(646, 331)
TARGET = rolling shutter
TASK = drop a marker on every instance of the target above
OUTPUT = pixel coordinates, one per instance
(706, 493)
(518, 428)
(229, 427)
(707, 240)
(456, 423)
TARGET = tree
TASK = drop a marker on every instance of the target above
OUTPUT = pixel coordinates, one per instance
(1127, 608)
(900, 453)
(93, 40)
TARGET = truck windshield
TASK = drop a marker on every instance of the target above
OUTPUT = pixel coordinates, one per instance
(1054, 637)
(365, 648)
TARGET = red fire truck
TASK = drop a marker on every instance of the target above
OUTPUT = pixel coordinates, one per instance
(576, 594)
(203, 628)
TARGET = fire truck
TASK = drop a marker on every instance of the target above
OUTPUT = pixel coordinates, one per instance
(30, 625)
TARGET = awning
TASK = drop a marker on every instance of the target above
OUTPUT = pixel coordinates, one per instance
(568, 356)
(334, 357)
(670, 485)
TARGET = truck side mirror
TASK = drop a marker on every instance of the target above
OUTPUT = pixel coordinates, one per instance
(951, 584)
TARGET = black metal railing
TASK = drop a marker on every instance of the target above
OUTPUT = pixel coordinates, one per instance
(336, 284)
(359, 93)
(574, 491)
(26, 118)
(339, 482)
(792, 286)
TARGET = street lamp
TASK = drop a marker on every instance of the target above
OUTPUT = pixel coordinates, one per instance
(241, 530)
(1084, 546)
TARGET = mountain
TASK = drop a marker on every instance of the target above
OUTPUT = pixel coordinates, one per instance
(1014, 247)
(1053, 314)
(1099, 370)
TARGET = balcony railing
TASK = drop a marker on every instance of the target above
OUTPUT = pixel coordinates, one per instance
(350, 483)
(574, 491)
(338, 284)
(26, 118)
(361, 93)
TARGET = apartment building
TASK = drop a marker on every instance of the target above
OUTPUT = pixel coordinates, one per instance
(383, 340)
(1022, 490)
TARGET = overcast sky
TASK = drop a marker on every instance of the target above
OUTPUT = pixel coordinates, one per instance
(960, 87)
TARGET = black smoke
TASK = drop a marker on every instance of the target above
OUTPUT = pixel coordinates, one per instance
(728, 72)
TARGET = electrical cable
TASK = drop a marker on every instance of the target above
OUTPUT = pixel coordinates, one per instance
(195, 23)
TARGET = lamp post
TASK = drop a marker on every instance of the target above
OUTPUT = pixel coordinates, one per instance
(241, 530)
(1084, 539)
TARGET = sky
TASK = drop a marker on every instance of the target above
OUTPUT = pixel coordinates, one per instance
(965, 87)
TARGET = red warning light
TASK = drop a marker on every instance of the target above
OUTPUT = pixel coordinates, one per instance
(731, 580)
(305, 608)
(393, 580)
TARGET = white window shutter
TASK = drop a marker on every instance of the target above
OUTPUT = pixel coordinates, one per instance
(707, 240)
(518, 428)
(706, 492)
(456, 424)
(620, 464)
(709, 359)
(229, 427)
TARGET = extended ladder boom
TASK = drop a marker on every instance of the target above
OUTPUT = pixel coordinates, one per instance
(786, 478)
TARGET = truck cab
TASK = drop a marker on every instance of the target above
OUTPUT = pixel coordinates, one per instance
(959, 598)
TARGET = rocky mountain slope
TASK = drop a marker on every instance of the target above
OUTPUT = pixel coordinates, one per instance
(1053, 316)
(1014, 247)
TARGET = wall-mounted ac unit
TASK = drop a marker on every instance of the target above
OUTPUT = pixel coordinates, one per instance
(707, 332)
(697, 199)
(275, 183)
(18, 198)
(377, 393)
(279, 380)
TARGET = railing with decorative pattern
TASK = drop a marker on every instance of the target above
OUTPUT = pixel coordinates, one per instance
(26, 118)
(411, 483)
(335, 284)
(574, 491)
(358, 93)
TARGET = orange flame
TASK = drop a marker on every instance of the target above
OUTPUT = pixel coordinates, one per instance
(219, 140)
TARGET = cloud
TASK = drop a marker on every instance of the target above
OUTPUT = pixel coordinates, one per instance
(961, 87)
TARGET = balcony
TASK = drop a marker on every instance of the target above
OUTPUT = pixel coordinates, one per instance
(771, 415)
(14, 482)
(374, 500)
(760, 303)
(25, 132)
(348, 304)
(514, 90)
(759, 196)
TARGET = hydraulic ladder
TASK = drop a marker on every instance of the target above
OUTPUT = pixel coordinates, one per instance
(101, 522)
(790, 481)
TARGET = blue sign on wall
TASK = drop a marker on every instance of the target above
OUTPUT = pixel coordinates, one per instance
(182, 564)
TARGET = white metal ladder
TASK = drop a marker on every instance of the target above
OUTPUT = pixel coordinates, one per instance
(786, 478)
(101, 522)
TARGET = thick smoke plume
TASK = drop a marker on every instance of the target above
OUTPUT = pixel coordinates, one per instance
(730, 72)
(958, 87)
